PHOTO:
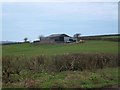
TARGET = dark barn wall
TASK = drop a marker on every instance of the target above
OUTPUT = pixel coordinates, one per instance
(59, 39)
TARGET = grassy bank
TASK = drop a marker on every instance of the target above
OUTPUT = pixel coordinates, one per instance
(67, 79)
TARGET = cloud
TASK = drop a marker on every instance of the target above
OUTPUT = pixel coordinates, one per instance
(53, 10)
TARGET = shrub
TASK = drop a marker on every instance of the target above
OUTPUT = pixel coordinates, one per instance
(84, 61)
(35, 64)
(10, 65)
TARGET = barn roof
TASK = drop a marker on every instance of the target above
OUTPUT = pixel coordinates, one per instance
(58, 35)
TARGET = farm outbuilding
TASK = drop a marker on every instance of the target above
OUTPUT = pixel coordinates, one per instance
(59, 37)
(56, 38)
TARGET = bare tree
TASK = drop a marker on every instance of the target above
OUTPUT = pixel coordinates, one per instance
(40, 37)
(76, 36)
(25, 39)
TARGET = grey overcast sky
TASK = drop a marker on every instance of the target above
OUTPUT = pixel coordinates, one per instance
(30, 20)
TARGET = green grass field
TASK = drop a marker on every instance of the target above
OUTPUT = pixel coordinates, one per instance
(88, 46)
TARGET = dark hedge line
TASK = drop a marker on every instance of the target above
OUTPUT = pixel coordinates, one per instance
(99, 38)
(58, 63)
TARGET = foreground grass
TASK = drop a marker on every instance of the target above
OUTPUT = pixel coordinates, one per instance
(88, 46)
(67, 79)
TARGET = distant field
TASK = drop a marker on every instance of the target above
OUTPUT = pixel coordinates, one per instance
(111, 37)
(88, 46)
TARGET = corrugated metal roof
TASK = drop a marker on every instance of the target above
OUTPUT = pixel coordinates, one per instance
(58, 35)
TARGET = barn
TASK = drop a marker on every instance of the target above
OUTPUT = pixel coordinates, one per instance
(56, 38)
(59, 37)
